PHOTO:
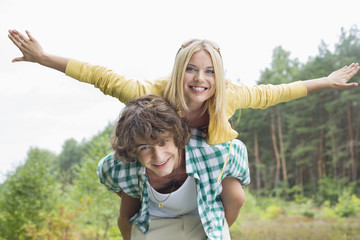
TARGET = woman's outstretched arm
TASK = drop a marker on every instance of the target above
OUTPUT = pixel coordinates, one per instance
(337, 80)
(33, 52)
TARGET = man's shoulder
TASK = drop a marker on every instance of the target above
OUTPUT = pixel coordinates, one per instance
(109, 164)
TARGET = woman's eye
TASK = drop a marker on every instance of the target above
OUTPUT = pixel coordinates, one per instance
(190, 69)
(210, 71)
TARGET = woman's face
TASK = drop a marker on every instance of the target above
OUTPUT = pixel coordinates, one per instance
(199, 79)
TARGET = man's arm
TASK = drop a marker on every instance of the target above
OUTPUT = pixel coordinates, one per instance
(128, 207)
(232, 197)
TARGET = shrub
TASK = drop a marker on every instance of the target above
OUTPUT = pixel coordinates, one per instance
(348, 204)
(272, 211)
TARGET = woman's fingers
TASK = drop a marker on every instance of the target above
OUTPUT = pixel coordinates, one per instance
(31, 38)
(18, 59)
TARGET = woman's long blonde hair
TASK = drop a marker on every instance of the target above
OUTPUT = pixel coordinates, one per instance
(174, 90)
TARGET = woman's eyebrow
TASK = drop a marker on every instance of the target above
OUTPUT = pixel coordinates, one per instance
(193, 65)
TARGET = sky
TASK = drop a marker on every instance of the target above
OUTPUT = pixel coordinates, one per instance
(41, 107)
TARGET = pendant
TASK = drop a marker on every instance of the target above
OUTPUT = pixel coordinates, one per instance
(160, 205)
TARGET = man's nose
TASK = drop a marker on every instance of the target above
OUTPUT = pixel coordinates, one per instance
(158, 153)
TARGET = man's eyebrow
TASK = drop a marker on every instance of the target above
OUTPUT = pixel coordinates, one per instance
(140, 144)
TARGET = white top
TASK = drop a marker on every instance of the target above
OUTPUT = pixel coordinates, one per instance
(183, 201)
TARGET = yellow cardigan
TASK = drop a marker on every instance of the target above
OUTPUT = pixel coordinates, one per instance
(237, 96)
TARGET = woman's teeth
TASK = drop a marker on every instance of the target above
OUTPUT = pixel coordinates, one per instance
(198, 88)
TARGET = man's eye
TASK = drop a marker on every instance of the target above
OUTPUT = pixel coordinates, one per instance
(143, 148)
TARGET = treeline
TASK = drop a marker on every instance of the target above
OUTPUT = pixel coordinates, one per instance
(60, 197)
(304, 149)
(309, 147)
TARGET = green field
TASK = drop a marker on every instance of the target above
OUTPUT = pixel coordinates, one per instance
(297, 227)
(274, 218)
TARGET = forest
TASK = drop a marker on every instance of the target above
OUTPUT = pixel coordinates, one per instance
(303, 152)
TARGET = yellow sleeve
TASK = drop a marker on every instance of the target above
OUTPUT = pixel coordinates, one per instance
(111, 83)
(263, 96)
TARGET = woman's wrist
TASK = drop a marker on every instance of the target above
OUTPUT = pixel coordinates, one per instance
(52, 61)
(318, 84)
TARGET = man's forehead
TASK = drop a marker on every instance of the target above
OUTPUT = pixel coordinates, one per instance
(151, 140)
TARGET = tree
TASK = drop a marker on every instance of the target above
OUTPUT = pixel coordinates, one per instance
(103, 206)
(28, 194)
(69, 157)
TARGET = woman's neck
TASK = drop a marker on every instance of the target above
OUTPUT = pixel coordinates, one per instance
(197, 118)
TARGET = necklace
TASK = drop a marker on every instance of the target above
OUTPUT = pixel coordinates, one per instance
(160, 203)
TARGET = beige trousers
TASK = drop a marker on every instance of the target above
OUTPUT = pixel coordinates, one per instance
(186, 227)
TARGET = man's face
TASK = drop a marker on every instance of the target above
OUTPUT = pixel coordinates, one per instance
(160, 159)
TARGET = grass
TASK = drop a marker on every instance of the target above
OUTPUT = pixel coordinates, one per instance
(276, 219)
(297, 228)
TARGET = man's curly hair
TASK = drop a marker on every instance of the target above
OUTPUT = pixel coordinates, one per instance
(149, 119)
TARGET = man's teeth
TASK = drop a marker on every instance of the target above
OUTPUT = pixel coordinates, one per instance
(160, 164)
(198, 88)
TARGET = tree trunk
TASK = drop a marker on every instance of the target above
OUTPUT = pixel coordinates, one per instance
(313, 181)
(276, 151)
(353, 170)
(257, 160)
(335, 158)
(302, 179)
(320, 159)
(281, 144)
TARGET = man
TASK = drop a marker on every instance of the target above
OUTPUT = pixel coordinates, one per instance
(166, 176)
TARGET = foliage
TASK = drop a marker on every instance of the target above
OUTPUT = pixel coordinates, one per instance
(103, 206)
(348, 205)
(70, 156)
(28, 195)
(272, 211)
(307, 148)
(58, 224)
(329, 189)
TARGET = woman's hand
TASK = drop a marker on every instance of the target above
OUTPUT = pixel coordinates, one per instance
(33, 52)
(30, 48)
(339, 79)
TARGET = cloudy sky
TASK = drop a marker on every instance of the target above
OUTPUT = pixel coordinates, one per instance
(40, 107)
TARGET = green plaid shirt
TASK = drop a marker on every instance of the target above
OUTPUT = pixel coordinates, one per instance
(203, 162)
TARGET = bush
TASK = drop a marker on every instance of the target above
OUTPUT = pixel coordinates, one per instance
(28, 193)
(272, 211)
(329, 190)
(348, 205)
